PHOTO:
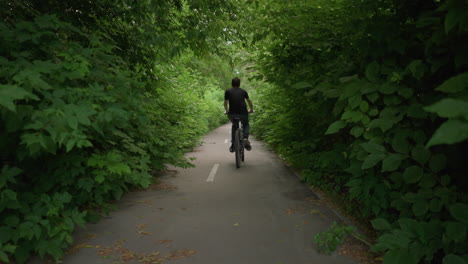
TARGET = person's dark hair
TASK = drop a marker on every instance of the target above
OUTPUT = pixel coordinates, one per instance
(235, 82)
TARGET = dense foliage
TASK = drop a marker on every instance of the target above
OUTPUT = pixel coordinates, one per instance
(95, 96)
(370, 100)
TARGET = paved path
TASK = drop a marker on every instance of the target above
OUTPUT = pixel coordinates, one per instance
(213, 214)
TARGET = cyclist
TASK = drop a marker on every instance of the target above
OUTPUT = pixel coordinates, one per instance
(236, 98)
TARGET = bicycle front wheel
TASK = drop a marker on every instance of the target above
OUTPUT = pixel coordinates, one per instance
(237, 147)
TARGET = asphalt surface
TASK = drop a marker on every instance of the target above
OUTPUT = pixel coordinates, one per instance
(213, 214)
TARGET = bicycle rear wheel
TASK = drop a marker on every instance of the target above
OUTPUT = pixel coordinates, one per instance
(237, 147)
(242, 151)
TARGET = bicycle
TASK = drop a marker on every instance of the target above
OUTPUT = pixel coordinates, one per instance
(238, 142)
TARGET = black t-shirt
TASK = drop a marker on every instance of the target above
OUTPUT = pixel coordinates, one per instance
(236, 97)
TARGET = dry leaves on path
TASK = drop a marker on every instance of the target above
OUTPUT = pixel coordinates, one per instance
(81, 244)
(125, 255)
(185, 253)
(357, 251)
(141, 231)
(166, 243)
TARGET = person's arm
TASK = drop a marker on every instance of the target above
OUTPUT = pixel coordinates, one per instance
(250, 105)
(226, 106)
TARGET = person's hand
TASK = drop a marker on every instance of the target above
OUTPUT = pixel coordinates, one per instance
(251, 111)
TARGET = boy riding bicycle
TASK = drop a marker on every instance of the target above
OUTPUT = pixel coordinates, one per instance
(236, 98)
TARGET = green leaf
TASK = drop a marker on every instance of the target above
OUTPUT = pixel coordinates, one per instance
(372, 71)
(392, 162)
(427, 181)
(354, 101)
(46, 21)
(449, 108)
(367, 88)
(453, 259)
(459, 211)
(450, 132)
(8, 174)
(353, 116)
(302, 85)
(311, 92)
(456, 231)
(6, 233)
(438, 162)
(435, 205)
(372, 160)
(420, 207)
(373, 97)
(70, 144)
(4, 257)
(119, 168)
(455, 84)
(99, 178)
(373, 147)
(332, 93)
(400, 256)
(72, 122)
(22, 253)
(26, 230)
(373, 112)
(11, 220)
(10, 93)
(9, 194)
(348, 78)
(351, 89)
(382, 123)
(413, 174)
(9, 248)
(381, 224)
(400, 143)
(335, 127)
(417, 68)
(411, 226)
(416, 110)
(405, 92)
(365, 120)
(454, 16)
(357, 131)
(364, 106)
(388, 88)
(420, 154)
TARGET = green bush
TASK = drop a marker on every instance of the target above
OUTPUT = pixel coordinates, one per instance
(88, 110)
(328, 241)
(369, 100)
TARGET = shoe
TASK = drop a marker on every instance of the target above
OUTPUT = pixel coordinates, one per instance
(247, 144)
(231, 148)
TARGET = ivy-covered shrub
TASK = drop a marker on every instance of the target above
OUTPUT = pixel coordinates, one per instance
(370, 99)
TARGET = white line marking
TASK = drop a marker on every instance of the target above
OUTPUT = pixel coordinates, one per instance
(225, 141)
(212, 173)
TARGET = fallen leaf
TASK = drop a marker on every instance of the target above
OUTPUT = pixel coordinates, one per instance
(181, 254)
(140, 230)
